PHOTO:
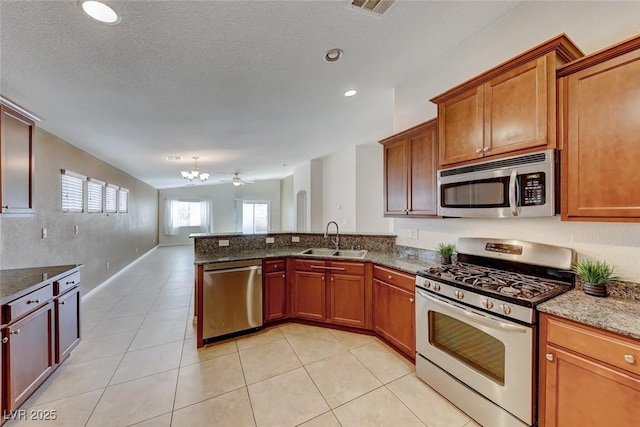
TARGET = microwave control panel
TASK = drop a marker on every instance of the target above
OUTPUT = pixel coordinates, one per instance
(532, 189)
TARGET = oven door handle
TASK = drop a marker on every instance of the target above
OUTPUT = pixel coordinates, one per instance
(495, 324)
(512, 192)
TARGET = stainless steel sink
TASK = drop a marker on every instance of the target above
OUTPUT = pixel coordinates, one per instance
(350, 253)
(342, 253)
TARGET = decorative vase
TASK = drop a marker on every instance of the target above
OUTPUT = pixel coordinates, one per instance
(444, 260)
(595, 290)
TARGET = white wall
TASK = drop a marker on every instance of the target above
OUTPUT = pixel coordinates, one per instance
(287, 204)
(339, 189)
(592, 26)
(370, 204)
(224, 198)
(308, 177)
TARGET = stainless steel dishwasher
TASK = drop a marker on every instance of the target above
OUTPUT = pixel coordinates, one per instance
(232, 298)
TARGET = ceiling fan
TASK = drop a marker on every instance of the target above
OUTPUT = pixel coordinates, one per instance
(237, 181)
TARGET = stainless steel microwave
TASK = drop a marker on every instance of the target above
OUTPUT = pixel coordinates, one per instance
(519, 186)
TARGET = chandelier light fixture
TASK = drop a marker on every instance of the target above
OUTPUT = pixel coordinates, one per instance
(195, 173)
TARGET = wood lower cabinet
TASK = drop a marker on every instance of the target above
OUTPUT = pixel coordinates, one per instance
(67, 335)
(600, 128)
(588, 377)
(336, 292)
(309, 295)
(394, 308)
(509, 109)
(29, 354)
(275, 290)
(410, 160)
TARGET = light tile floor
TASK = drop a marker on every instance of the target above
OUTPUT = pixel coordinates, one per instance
(138, 365)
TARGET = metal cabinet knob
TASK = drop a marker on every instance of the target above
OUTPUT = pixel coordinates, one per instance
(61, 302)
(283, 276)
(478, 150)
(390, 277)
(412, 299)
(549, 357)
(275, 266)
(629, 358)
(16, 332)
(332, 278)
(5, 340)
(485, 149)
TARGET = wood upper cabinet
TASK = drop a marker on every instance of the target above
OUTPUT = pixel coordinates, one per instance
(394, 308)
(510, 108)
(588, 377)
(16, 162)
(410, 161)
(600, 127)
(275, 290)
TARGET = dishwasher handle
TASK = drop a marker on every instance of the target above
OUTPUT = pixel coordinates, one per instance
(231, 270)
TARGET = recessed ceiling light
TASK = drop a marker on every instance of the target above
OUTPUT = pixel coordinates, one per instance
(350, 92)
(333, 55)
(99, 11)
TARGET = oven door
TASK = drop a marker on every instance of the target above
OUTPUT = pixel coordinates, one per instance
(492, 356)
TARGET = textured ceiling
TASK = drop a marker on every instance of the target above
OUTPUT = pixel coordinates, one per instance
(241, 84)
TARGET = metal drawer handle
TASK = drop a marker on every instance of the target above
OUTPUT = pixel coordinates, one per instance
(629, 358)
(549, 357)
(35, 301)
(322, 267)
(16, 332)
(70, 283)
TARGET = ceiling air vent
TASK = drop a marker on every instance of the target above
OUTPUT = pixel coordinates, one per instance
(376, 7)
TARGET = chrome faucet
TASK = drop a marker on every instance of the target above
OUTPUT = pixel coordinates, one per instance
(336, 241)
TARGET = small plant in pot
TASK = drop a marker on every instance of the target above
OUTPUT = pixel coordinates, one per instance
(446, 250)
(596, 276)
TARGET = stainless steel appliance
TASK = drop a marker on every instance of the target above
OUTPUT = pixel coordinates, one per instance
(520, 186)
(476, 325)
(232, 298)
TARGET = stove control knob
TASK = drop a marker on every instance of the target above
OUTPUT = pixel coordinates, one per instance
(436, 287)
(487, 304)
(505, 308)
(459, 294)
(427, 284)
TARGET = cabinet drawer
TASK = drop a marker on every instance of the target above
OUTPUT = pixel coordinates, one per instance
(356, 268)
(23, 305)
(394, 277)
(309, 265)
(618, 351)
(273, 265)
(66, 283)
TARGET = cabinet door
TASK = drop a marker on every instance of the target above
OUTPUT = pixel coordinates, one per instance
(581, 392)
(29, 355)
(394, 316)
(516, 109)
(274, 296)
(16, 162)
(460, 127)
(423, 152)
(309, 300)
(347, 300)
(395, 178)
(67, 323)
(602, 148)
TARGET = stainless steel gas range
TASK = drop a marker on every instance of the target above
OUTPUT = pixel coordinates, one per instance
(476, 325)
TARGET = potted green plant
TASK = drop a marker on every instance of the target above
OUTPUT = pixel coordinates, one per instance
(596, 276)
(446, 250)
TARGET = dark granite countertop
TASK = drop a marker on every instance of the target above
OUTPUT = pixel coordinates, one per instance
(387, 259)
(614, 314)
(17, 282)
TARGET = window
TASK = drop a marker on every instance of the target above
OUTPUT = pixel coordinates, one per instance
(94, 195)
(110, 198)
(187, 215)
(123, 200)
(255, 217)
(72, 192)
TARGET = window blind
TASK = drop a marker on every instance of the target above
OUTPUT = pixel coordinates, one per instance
(111, 198)
(123, 200)
(72, 194)
(94, 195)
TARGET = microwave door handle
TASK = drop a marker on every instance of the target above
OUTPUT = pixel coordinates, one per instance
(513, 204)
